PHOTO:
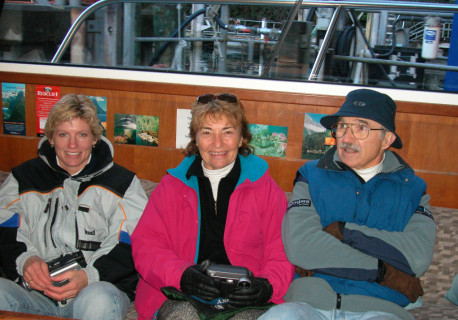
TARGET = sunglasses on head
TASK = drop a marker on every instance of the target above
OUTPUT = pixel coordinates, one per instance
(206, 98)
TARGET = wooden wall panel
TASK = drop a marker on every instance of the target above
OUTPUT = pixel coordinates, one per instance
(427, 131)
(15, 150)
(31, 111)
(429, 142)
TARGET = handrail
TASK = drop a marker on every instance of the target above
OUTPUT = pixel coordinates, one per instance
(380, 5)
(326, 42)
(409, 64)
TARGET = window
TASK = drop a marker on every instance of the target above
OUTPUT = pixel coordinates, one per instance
(393, 45)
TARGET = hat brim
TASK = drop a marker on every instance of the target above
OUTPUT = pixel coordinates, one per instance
(328, 121)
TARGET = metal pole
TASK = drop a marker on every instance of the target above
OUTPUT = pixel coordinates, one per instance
(222, 59)
(324, 46)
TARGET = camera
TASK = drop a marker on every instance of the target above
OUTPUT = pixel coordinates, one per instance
(71, 261)
(229, 277)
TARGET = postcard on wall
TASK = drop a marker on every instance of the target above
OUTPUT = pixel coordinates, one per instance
(316, 139)
(13, 108)
(136, 129)
(269, 140)
(183, 121)
(101, 106)
(46, 97)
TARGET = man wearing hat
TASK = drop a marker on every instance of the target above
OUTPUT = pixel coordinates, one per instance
(358, 225)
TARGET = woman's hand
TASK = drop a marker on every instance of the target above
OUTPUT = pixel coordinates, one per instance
(257, 294)
(72, 282)
(195, 282)
(36, 273)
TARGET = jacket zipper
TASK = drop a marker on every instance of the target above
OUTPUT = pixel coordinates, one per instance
(48, 206)
(77, 237)
(56, 207)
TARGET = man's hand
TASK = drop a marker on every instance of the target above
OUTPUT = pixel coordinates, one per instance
(303, 272)
(36, 273)
(77, 280)
(402, 282)
(335, 229)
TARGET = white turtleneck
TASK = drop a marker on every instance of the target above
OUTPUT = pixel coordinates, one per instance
(215, 176)
(369, 173)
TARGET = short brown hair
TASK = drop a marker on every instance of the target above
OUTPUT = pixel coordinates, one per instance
(73, 106)
(233, 111)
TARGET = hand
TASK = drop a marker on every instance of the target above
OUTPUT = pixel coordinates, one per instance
(335, 229)
(195, 282)
(36, 273)
(303, 272)
(402, 282)
(77, 280)
(257, 294)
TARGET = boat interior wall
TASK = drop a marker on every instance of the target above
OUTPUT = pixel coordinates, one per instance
(427, 130)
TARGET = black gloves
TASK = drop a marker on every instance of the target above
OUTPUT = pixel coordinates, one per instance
(257, 294)
(196, 283)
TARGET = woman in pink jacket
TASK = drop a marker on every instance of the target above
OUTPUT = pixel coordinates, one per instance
(220, 205)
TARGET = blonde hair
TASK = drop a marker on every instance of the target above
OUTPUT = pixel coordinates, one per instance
(73, 106)
(233, 111)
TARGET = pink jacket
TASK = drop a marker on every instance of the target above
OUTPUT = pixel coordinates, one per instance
(166, 239)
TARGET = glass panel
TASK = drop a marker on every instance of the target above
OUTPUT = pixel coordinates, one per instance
(397, 49)
(386, 47)
(198, 38)
(31, 32)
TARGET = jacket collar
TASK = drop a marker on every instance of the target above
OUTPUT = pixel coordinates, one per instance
(331, 161)
(252, 168)
(101, 160)
(196, 169)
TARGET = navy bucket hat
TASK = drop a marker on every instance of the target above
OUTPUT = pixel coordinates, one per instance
(367, 104)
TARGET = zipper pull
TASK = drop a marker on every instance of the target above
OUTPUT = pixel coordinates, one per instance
(48, 206)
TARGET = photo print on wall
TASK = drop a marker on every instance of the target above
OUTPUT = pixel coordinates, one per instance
(316, 139)
(13, 108)
(136, 129)
(269, 140)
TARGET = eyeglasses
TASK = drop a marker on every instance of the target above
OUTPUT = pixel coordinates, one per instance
(206, 98)
(359, 131)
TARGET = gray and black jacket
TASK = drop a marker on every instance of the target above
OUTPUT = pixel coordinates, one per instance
(46, 212)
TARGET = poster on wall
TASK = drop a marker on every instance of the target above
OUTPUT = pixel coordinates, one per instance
(316, 139)
(269, 140)
(136, 129)
(13, 108)
(101, 106)
(46, 97)
(183, 122)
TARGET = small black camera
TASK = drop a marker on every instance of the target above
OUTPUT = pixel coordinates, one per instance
(229, 277)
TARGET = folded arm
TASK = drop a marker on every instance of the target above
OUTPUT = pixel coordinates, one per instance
(410, 250)
(311, 248)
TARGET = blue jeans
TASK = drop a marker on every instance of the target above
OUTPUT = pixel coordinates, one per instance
(100, 300)
(304, 311)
